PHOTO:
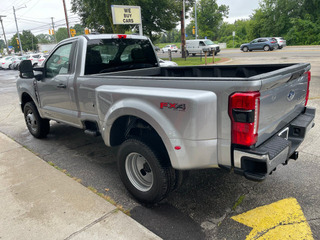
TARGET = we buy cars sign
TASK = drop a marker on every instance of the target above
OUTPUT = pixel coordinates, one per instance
(126, 14)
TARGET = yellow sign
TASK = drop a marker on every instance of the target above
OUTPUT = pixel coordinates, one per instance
(126, 14)
(280, 220)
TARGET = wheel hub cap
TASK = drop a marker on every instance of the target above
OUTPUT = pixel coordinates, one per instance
(31, 121)
(139, 172)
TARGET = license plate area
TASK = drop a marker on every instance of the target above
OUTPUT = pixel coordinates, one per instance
(284, 133)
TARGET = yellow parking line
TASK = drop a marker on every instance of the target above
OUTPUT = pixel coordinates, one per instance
(280, 220)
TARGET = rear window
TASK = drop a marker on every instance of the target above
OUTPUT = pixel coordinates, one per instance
(109, 55)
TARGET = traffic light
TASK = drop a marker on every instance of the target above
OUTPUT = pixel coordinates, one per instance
(72, 32)
(50, 32)
(17, 41)
(193, 30)
(86, 31)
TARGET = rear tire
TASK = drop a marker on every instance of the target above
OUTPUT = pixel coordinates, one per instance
(266, 48)
(146, 175)
(37, 126)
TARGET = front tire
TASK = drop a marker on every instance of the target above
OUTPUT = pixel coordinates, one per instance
(146, 175)
(245, 49)
(37, 126)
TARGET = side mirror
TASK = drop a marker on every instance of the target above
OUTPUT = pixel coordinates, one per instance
(26, 69)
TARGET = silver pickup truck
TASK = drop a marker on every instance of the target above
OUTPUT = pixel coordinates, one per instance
(244, 118)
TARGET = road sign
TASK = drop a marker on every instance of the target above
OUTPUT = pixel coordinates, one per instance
(280, 220)
(233, 33)
(126, 14)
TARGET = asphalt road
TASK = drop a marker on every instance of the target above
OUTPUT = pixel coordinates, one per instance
(204, 206)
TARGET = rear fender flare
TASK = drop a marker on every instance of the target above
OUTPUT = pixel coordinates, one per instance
(147, 112)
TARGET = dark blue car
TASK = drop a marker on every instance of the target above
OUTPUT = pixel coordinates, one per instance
(266, 44)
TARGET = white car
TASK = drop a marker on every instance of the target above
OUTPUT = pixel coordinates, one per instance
(41, 59)
(172, 48)
(165, 63)
(34, 58)
(281, 42)
(6, 62)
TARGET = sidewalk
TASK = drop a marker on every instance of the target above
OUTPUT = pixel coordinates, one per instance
(39, 202)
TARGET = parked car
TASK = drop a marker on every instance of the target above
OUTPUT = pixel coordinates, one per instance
(197, 46)
(156, 48)
(172, 48)
(34, 58)
(16, 61)
(281, 42)
(266, 44)
(6, 62)
(42, 58)
(166, 63)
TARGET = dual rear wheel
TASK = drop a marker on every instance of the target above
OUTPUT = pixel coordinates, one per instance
(145, 172)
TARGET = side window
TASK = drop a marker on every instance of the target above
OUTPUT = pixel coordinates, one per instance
(201, 44)
(58, 63)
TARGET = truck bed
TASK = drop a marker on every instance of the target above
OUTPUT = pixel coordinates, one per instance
(217, 71)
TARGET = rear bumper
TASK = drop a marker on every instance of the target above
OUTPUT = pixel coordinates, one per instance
(255, 164)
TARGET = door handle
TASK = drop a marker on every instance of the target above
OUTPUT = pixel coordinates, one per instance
(61, 85)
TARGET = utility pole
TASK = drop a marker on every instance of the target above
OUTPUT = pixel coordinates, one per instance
(65, 13)
(183, 35)
(15, 18)
(195, 18)
(54, 31)
(5, 39)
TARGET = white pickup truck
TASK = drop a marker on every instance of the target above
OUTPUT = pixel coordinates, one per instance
(245, 118)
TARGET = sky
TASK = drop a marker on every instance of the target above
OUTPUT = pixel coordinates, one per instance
(35, 15)
(239, 9)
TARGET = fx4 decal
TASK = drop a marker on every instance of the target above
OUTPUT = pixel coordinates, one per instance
(174, 106)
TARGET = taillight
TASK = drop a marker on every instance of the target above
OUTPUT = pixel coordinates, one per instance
(308, 86)
(244, 109)
(122, 36)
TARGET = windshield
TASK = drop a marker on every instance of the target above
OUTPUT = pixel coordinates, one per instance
(208, 42)
(108, 55)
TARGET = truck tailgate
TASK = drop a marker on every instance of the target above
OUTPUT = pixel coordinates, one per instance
(283, 97)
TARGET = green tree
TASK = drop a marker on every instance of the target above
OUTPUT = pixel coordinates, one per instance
(45, 38)
(210, 17)
(61, 34)
(288, 18)
(79, 29)
(28, 41)
(2, 45)
(157, 16)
